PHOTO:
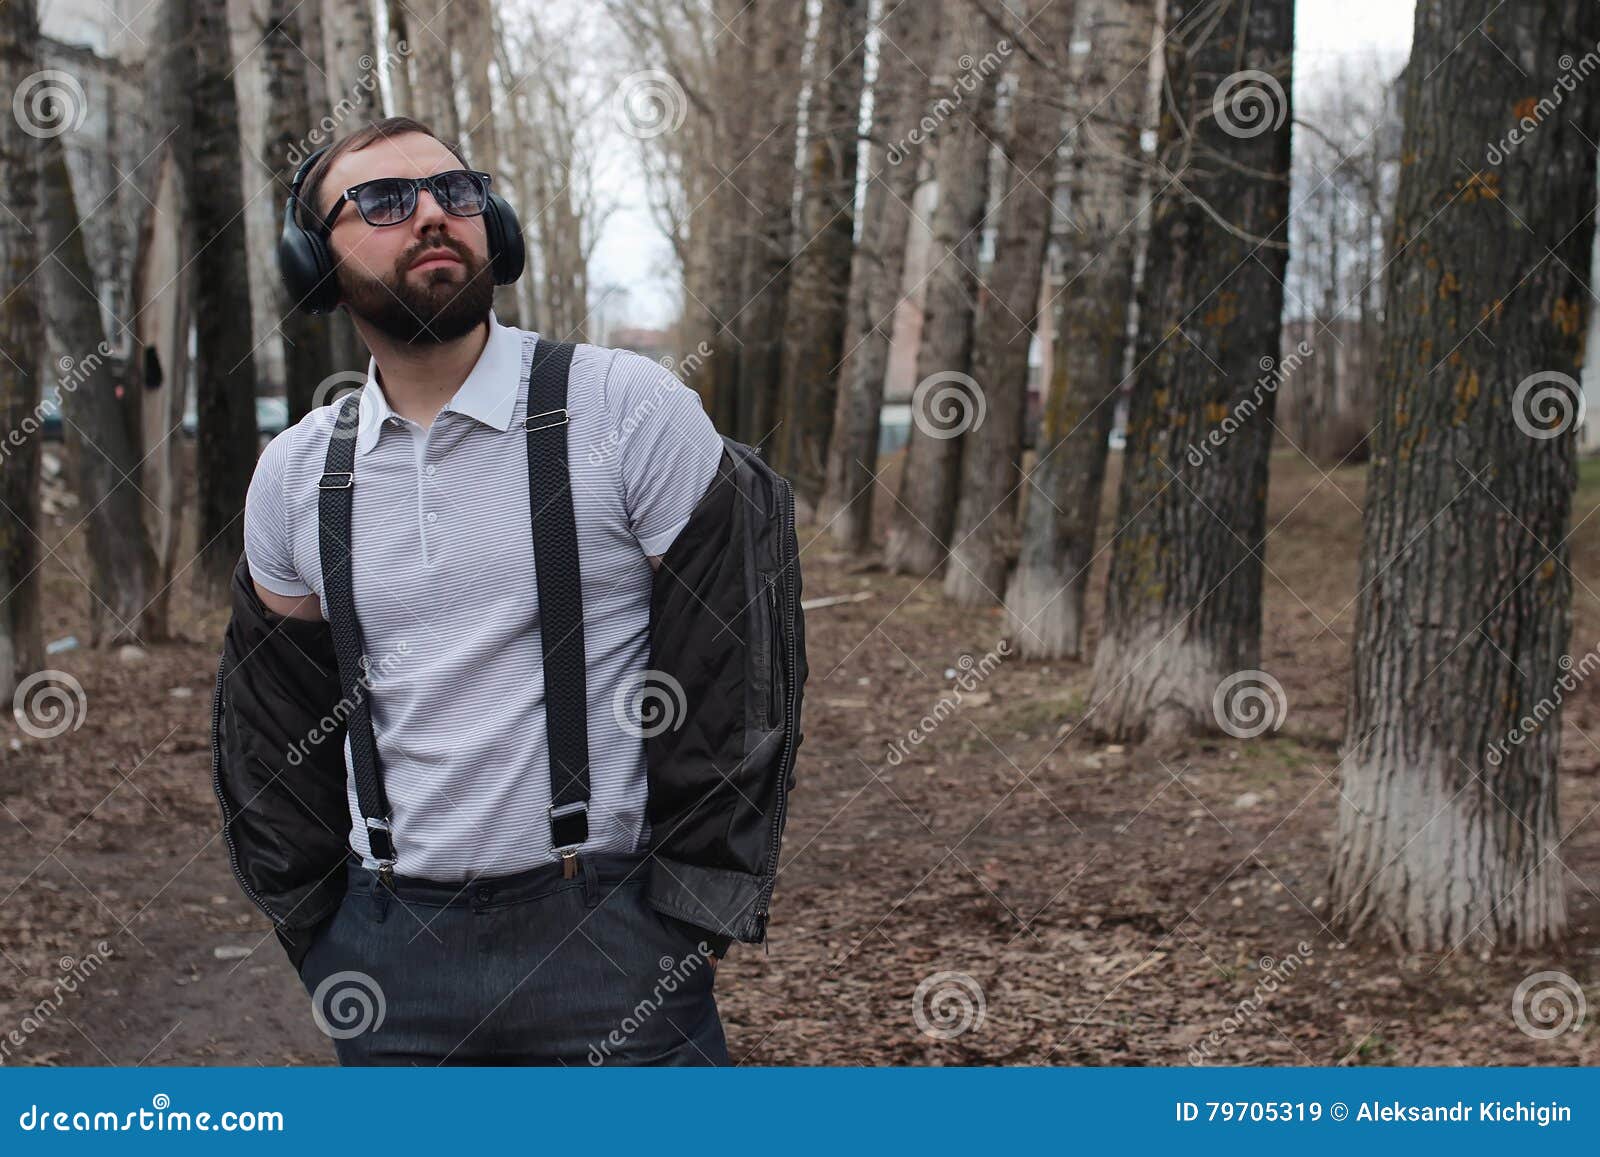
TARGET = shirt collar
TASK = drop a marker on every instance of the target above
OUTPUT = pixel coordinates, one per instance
(489, 393)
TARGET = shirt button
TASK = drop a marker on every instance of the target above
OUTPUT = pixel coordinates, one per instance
(432, 470)
(432, 517)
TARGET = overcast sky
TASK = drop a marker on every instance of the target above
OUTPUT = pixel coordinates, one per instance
(632, 253)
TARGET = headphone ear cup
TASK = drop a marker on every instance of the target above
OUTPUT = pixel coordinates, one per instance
(507, 250)
(306, 267)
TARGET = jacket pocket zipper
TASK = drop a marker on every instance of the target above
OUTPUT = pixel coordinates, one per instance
(774, 655)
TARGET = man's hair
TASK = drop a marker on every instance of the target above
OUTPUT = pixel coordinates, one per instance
(310, 192)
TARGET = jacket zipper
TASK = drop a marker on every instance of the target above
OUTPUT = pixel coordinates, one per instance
(774, 659)
(227, 816)
(764, 904)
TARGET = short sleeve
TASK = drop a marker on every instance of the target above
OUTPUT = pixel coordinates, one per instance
(667, 448)
(268, 547)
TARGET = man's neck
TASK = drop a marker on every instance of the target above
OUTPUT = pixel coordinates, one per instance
(419, 379)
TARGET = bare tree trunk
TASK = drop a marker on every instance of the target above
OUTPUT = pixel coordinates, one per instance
(991, 464)
(307, 347)
(1183, 604)
(346, 351)
(122, 565)
(942, 406)
(814, 321)
(1046, 595)
(349, 39)
(401, 45)
(1448, 821)
(908, 49)
(163, 313)
(225, 374)
(21, 370)
(781, 28)
(721, 220)
(434, 78)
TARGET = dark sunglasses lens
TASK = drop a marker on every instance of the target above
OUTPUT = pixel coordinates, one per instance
(386, 202)
(460, 193)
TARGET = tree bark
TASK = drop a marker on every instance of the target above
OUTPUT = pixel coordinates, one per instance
(307, 347)
(991, 463)
(814, 320)
(400, 45)
(1183, 604)
(434, 79)
(349, 39)
(21, 370)
(1046, 595)
(1448, 823)
(768, 178)
(122, 565)
(908, 49)
(201, 72)
(920, 523)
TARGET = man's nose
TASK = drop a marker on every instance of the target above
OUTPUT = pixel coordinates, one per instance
(428, 213)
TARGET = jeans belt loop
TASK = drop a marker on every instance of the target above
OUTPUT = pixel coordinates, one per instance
(591, 881)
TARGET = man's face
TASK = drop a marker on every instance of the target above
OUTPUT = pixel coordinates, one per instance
(384, 273)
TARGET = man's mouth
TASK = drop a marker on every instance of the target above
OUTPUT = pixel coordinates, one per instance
(435, 258)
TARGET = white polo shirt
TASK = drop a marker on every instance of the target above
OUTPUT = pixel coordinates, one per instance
(443, 575)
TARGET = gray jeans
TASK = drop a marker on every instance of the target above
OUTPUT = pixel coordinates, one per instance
(527, 969)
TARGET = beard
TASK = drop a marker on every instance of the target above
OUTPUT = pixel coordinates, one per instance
(423, 308)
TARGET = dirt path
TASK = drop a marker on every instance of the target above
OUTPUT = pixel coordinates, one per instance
(1057, 900)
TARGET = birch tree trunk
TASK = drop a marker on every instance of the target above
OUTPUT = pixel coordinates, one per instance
(942, 404)
(1183, 604)
(991, 463)
(22, 337)
(814, 321)
(401, 47)
(1045, 597)
(433, 90)
(1448, 825)
(899, 93)
(349, 39)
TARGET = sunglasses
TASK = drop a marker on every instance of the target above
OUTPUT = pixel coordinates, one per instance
(391, 200)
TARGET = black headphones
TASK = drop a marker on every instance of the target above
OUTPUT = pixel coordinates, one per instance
(307, 267)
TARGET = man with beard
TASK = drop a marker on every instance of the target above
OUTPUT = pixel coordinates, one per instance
(483, 941)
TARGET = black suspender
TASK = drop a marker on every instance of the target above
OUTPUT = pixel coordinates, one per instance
(355, 668)
(560, 586)
(560, 593)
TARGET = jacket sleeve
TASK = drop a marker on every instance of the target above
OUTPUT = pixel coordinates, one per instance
(278, 735)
